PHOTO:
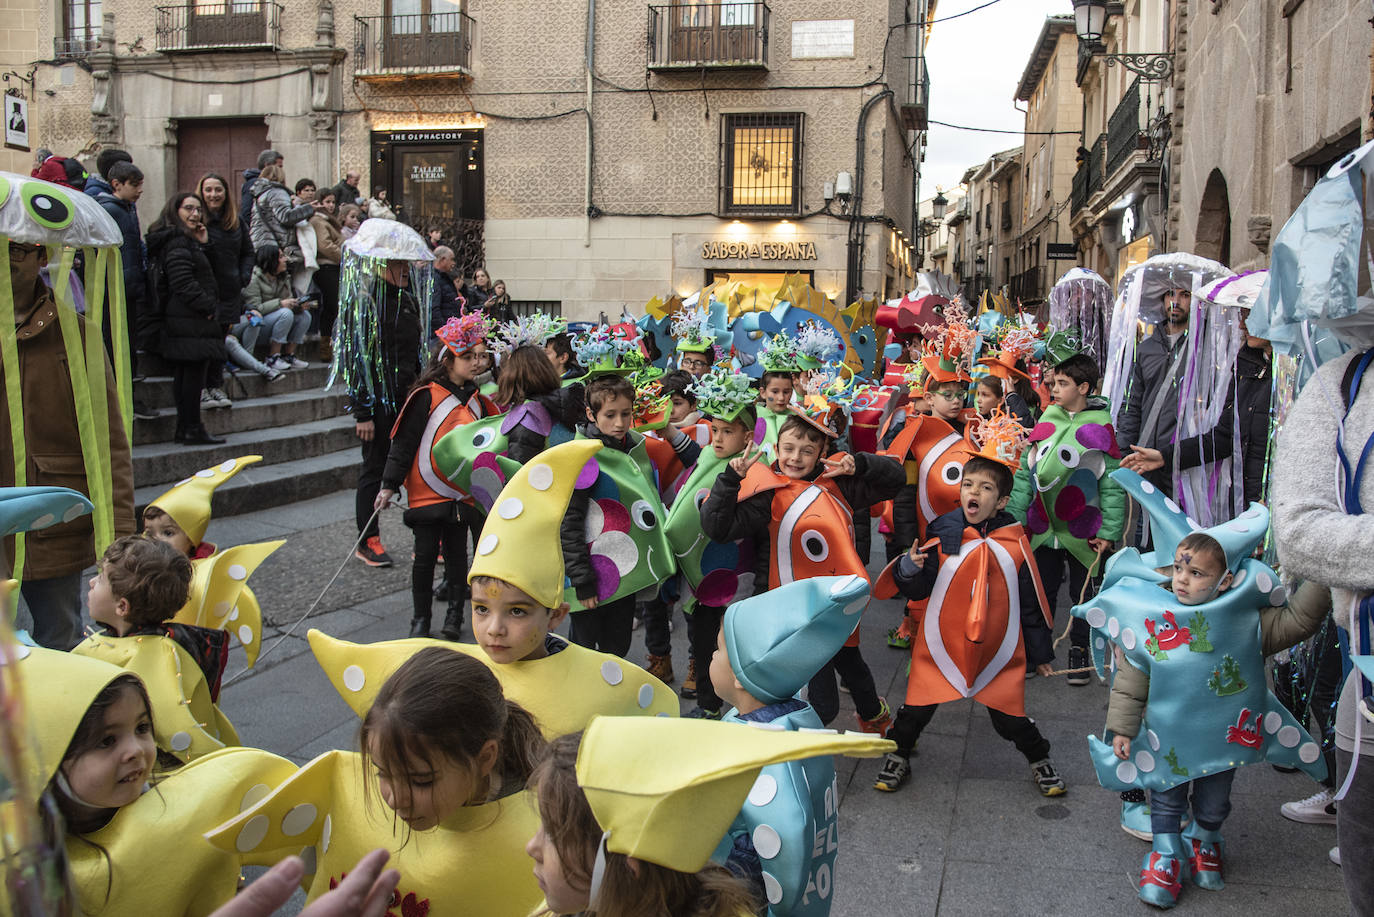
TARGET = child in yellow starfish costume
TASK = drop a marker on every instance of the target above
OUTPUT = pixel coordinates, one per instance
(132, 848)
(140, 585)
(439, 783)
(516, 581)
(220, 596)
(631, 810)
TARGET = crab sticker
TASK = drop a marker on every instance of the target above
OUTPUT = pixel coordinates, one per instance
(1165, 635)
(1246, 731)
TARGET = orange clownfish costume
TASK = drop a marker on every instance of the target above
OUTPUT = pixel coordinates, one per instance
(425, 484)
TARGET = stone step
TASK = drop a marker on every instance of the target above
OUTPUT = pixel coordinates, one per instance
(261, 486)
(166, 462)
(156, 391)
(287, 409)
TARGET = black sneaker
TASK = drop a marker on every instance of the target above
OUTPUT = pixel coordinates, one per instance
(1078, 659)
(896, 771)
(143, 412)
(372, 553)
(1047, 779)
(701, 713)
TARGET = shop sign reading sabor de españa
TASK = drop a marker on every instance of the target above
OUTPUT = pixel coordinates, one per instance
(721, 250)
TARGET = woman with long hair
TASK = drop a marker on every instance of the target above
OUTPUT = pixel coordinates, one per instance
(190, 335)
(231, 256)
(328, 255)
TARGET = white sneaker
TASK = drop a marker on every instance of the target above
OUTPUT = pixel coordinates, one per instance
(1317, 809)
(221, 398)
(295, 361)
(1334, 855)
(214, 398)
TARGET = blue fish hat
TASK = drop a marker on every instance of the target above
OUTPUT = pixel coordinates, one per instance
(24, 509)
(1169, 525)
(779, 640)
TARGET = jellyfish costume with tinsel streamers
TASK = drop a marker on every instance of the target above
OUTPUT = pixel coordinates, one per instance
(1209, 707)
(68, 223)
(1082, 299)
(357, 336)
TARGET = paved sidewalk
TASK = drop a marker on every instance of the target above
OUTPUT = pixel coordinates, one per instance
(968, 835)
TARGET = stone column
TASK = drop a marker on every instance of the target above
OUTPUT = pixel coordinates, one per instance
(322, 128)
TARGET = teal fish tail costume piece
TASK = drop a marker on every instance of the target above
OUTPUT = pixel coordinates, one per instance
(1209, 708)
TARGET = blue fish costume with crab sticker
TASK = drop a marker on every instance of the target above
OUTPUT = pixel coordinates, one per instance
(625, 530)
(1209, 709)
(777, 642)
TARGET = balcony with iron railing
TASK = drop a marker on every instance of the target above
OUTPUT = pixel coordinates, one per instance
(413, 45)
(1028, 285)
(1079, 194)
(915, 107)
(691, 36)
(77, 48)
(232, 25)
(1097, 155)
(1127, 129)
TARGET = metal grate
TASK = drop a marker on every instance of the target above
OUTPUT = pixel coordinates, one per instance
(693, 35)
(201, 26)
(760, 162)
(523, 307)
(1125, 129)
(413, 44)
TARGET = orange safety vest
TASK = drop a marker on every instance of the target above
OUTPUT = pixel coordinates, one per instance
(424, 483)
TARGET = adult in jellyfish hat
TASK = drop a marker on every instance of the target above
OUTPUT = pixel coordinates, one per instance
(66, 405)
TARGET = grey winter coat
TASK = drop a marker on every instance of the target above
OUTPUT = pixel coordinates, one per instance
(274, 219)
(1153, 360)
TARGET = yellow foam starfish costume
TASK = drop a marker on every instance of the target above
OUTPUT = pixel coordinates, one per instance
(563, 691)
(220, 597)
(150, 858)
(186, 723)
(473, 865)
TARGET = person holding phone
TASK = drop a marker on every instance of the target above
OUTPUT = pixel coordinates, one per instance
(286, 316)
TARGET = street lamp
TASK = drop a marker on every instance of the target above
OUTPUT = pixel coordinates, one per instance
(938, 204)
(1089, 20)
(980, 265)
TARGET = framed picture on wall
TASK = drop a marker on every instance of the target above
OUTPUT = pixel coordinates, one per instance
(16, 122)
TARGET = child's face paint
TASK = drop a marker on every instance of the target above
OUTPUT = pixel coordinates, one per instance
(777, 394)
(509, 625)
(1197, 577)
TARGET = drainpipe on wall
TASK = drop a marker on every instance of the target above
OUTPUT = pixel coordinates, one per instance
(854, 259)
(587, 178)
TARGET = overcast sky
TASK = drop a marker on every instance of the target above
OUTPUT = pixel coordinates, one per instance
(975, 63)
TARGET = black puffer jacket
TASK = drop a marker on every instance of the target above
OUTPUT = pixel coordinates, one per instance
(565, 406)
(726, 518)
(916, 584)
(398, 331)
(577, 560)
(231, 257)
(1249, 401)
(1153, 360)
(186, 293)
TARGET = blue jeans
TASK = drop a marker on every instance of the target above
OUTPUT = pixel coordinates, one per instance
(1211, 803)
(287, 327)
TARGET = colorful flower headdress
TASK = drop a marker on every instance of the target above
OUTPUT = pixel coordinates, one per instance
(1001, 439)
(532, 330)
(949, 357)
(829, 397)
(724, 394)
(694, 332)
(603, 350)
(652, 406)
(817, 345)
(464, 332)
(780, 355)
(1015, 343)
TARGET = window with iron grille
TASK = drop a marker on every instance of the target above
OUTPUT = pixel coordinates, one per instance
(81, 21)
(760, 164)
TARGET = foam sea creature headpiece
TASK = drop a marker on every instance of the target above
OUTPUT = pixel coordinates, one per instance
(827, 400)
(1001, 438)
(26, 509)
(520, 543)
(1064, 345)
(724, 394)
(188, 503)
(948, 357)
(463, 332)
(780, 355)
(533, 330)
(694, 331)
(642, 372)
(779, 640)
(1169, 525)
(659, 799)
(817, 346)
(1016, 343)
(602, 350)
(652, 406)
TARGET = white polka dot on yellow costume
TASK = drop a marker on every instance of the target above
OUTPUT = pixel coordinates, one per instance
(354, 678)
(487, 544)
(611, 672)
(541, 477)
(253, 832)
(510, 508)
(298, 819)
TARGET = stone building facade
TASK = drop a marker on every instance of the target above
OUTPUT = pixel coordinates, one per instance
(1044, 247)
(741, 138)
(983, 231)
(1273, 93)
(19, 47)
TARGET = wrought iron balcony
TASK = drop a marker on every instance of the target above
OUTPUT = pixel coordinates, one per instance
(690, 36)
(1127, 129)
(75, 48)
(1028, 286)
(231, 25)
(915, 107)
(413, 45)
(1097, 154)
(1079, 196)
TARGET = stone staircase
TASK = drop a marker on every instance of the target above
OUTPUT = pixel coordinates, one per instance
(301, 431)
